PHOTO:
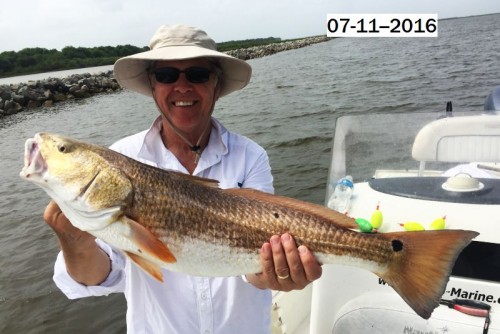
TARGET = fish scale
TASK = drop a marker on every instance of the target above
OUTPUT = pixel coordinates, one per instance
(184, 223)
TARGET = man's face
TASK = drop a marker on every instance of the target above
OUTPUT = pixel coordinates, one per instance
(187, 104)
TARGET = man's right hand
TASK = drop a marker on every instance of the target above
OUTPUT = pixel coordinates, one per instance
(85, 262)
(54, 217)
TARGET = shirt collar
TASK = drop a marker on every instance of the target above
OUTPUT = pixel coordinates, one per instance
(153, 150)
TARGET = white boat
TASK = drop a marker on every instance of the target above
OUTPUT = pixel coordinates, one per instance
(418, 167)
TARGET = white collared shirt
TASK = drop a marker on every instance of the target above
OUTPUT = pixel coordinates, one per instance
(183, 303)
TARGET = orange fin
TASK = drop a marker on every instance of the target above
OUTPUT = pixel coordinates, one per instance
(148, 266)
(147, 243)
(422, 264)
(295, 204)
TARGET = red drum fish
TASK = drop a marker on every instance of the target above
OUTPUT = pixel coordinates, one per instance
(162, 218)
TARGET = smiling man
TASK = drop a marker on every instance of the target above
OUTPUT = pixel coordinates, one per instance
(185, 76)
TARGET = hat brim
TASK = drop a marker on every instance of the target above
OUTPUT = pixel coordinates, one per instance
(131, 72)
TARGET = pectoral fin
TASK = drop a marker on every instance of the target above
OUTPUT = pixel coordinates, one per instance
(147, 244)
(148, 266)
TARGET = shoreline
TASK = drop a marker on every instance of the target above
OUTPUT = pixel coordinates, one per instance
(44, 93)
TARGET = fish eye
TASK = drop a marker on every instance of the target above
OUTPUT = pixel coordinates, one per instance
(62, 148)
(397, 245)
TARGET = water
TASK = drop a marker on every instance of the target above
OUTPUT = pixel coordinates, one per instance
(290, 108)
(54, 74)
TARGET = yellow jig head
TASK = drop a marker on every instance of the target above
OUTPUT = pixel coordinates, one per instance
(438, 224)
(377, 218)
(412, 226)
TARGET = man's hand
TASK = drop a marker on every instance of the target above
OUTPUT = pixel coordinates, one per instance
(65, 231)
(85, 262)
(284, 266)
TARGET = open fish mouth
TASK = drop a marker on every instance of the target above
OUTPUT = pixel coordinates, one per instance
(34, 164)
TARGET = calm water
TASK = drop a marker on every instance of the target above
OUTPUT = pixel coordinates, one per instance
(289, 108)
(55, 74)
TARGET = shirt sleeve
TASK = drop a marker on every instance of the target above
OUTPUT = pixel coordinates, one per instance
(115, 282)
(259, 175)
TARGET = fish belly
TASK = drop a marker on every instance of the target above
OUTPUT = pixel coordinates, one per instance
(353, 261)
(201, 258)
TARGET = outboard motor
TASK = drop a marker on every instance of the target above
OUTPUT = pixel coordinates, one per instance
(492, 102)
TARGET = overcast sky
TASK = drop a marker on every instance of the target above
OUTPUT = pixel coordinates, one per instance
(54, 24)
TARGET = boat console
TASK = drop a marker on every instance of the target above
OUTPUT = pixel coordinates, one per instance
(414, 167)
(418, 167)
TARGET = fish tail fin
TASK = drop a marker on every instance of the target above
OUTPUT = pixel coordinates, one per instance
(422, 265)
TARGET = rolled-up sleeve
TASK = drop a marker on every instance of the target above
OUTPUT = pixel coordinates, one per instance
(115, 282)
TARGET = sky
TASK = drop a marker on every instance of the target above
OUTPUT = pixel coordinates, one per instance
(54, 24)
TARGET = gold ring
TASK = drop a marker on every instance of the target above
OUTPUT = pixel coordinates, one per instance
(283, 277)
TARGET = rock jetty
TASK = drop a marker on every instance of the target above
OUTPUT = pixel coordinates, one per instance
(44, 93)
(33, 94)
(269, 49)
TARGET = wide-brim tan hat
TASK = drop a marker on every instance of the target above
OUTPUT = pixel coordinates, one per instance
(178, 42)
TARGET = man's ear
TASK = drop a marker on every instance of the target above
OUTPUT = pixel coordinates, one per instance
(218, 86)
(151, 85)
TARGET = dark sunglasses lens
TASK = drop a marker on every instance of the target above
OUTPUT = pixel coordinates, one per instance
(197, 74)
(171, 74)
(167, 74)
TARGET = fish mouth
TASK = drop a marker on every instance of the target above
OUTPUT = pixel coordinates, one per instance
(34, 164)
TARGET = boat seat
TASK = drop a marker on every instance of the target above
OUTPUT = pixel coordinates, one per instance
(458, 139)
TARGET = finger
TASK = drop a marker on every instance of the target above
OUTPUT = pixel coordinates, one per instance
(312, 268)
(281, 269)
(52, 207)
(56, 219)
(267, 264)
(294, 262)
(266, 279)
(52, 213)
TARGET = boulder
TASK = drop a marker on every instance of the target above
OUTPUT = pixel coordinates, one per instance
(11, 108)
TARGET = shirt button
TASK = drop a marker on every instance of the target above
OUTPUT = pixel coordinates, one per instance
(204, 296)
(206, 332)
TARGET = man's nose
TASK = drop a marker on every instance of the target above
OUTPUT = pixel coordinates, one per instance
(182, 84)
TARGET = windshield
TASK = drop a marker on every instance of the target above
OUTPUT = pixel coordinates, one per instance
(380, 145)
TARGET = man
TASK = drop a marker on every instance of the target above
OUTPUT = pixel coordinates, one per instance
(185, 75)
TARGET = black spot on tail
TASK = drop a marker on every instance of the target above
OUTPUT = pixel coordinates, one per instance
(397, 245)
(276, 215)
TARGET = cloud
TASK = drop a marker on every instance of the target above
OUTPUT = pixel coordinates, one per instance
(59, 23)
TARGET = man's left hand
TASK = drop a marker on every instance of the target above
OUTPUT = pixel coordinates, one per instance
(285, 266)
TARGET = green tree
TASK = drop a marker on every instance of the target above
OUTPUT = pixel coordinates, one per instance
(37, 60)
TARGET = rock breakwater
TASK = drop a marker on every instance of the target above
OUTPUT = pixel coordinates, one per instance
(44, 93)
(269, 49)
(33, 94)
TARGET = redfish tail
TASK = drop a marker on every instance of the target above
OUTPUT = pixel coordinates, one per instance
(422, 264)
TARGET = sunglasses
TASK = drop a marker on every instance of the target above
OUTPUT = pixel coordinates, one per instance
(170, 75)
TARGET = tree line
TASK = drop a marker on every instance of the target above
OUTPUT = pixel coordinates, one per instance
(247, 43)
(39, 60)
